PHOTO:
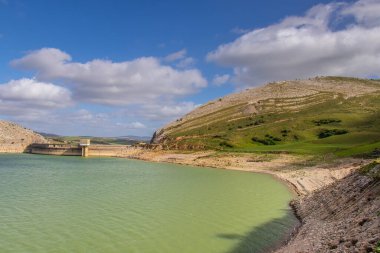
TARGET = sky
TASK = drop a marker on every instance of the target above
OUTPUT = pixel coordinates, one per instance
(117, 68)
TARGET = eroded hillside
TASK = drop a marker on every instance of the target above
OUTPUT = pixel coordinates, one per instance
(15, 138)
(319, 115)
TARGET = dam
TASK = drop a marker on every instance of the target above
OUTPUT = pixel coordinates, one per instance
(84, 149)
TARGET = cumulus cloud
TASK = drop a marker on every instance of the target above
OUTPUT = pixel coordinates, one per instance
(220, 79)
(330, 39)
(27, 93)
(366, 12)
(140, 81)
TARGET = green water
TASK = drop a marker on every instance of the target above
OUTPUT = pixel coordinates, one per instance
(72, 204)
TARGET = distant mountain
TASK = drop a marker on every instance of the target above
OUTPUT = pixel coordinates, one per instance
(321, 115)
(137, 138)
(48, 135)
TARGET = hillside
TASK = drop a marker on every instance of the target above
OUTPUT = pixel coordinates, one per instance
(15, 138)
(317, 116)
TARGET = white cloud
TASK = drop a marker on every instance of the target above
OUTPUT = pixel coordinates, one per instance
(306, 46)
(219, 80)
(238, 30)
(185, 63)
(366, 12)
(166, 112)
(27, 93)
(133, 125)
(182, 61)
(176, 56)
(140, 81)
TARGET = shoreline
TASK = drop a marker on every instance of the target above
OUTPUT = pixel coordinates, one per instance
(300, 177)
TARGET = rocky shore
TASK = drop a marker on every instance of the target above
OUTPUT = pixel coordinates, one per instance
(342, 217)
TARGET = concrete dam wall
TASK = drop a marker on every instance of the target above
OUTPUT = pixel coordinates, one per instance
(93, 150)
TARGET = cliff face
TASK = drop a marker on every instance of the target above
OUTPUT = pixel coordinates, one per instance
(343, 217)
(280, 116)
(15, 138)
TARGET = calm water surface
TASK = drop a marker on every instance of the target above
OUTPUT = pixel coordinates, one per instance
(72, 204)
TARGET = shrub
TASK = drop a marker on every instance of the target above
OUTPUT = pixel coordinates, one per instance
(269, 140)
(325, 121)
(264, 141)
(226, 144)
(285, 132)
(324, 133)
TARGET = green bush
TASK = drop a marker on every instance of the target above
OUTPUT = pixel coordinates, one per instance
(269, 140)
(226, 144)
(285, 132)
(325, 121)
(324, 133)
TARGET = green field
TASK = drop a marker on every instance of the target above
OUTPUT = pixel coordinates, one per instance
(316, 124)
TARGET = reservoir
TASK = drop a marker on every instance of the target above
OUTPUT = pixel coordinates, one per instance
(72, 204)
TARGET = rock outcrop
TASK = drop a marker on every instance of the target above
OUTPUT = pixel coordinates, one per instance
(343, 217)
(15, 138)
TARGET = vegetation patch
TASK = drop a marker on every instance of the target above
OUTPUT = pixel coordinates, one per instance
(268, 140)
(285, 132)
(324, 133)
(325, 121)
(226, 144)
(372, 169)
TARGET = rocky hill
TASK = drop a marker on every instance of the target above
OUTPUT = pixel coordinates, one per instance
(15, 138)
(320, 115)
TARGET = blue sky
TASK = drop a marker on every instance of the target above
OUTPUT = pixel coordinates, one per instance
(112, 68)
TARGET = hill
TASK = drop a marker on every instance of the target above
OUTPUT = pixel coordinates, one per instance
(15, 138)
(316, 116)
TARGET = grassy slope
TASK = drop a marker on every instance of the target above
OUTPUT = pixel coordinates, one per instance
(360, 116)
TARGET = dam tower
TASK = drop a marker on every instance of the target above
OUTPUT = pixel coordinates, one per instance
(84, 144)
